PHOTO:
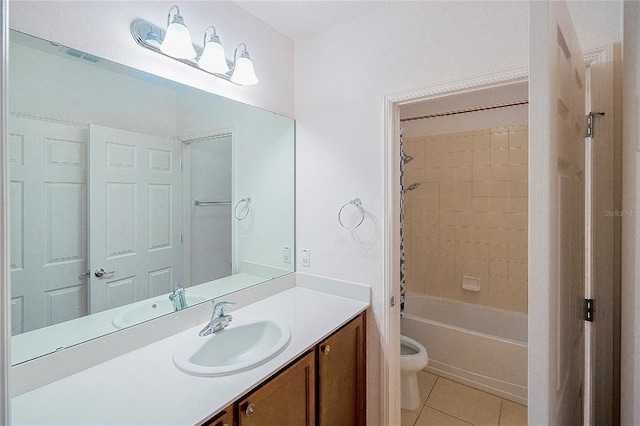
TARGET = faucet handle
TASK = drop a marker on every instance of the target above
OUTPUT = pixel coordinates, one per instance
(219, 308)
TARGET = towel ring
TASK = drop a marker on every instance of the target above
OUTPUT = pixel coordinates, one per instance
(357, 203)
(246, 201)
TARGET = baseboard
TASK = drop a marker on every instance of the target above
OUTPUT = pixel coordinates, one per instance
(510, 391)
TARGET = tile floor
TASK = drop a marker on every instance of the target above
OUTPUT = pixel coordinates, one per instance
(445, 403)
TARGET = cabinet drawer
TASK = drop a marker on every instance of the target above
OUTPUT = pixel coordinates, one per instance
(287, 399)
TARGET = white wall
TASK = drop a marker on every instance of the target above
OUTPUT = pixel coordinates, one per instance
(341, 75)
(630, 361)
(102, 28)
(597, 23)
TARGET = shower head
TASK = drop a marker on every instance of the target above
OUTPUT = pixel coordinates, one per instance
(407, 158)
(412, 186)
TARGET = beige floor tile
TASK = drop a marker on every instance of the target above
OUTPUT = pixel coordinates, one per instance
(409, 417)
(464, 402)
(426, 381)
(513, 414)
(431, 417)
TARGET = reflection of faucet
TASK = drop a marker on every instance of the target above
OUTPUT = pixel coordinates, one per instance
(178, 298)
(219, 319)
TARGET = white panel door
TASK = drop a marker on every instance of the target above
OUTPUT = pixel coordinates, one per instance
(48, 222)
(557, 217)
(134, 199)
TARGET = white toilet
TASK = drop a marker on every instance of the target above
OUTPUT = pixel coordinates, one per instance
(413, 358)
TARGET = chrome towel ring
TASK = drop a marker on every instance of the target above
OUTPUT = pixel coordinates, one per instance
(357, 203)
(243, 202)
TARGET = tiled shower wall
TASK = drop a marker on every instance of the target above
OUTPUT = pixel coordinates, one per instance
(469, 215)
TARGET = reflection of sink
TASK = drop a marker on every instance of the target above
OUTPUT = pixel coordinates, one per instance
(248, 342)
(149, 309)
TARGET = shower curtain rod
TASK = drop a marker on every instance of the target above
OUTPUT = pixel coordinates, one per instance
(464, 111)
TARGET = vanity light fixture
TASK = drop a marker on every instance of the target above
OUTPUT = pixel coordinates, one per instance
(177, 40)
(213, 58)
(243, 72)
(152, 38)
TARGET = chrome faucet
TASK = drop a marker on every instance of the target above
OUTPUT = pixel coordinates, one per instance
(178, 298)
(219, 320)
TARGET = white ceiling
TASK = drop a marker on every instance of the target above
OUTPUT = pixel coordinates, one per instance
(297, 18)
(597, 22)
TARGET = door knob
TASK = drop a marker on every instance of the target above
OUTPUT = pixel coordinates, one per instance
(250, 409)
(100, 272)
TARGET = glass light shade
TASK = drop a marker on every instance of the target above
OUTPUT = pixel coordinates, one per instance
(243, 72)
(213, 58)
(177, 40)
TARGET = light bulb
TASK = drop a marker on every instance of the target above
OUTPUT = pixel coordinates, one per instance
(213, 58)
(177, 40)
(243, 72)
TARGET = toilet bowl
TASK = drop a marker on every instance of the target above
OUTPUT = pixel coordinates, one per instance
(413, 358)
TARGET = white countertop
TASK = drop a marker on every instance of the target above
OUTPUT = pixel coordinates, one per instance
(143, 387)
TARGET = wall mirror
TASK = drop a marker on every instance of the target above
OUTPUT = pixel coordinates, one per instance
(123, 185)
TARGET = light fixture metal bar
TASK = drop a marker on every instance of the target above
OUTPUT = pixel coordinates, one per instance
(465, 111)
(139, 30)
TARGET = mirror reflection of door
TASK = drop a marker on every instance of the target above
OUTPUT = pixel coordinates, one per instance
(48, 222)
(134, 228)
(210, 240)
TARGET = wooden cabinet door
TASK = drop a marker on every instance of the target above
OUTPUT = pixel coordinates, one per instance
(225, 418)
(286, 400)
(341, 376)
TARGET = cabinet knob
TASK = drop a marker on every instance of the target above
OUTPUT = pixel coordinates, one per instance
(250, 409)
(327, 349)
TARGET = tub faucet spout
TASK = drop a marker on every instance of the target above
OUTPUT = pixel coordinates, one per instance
(178, 298)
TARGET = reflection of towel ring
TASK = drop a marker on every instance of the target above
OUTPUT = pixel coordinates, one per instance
(247, 201)
(355, 202)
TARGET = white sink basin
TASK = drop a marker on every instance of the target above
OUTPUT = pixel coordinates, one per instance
(150, 309)
(248, 342)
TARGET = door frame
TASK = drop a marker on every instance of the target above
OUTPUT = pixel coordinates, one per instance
(185, 163)
(390, 316)
(5, 261)
(599, 56)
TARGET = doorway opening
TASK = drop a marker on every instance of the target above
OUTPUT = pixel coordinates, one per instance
(465, 225)
(396, 106)
(207, 234)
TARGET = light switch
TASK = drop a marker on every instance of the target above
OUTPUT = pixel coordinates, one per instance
(286, 254)
(306, 257)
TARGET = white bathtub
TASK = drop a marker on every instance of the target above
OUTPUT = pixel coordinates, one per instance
(482, 347)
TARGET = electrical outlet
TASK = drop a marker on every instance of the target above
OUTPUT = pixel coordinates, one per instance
(286, 254)
(306, 257)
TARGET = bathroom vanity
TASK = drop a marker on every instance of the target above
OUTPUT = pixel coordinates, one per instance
(318, 377)
(327, 384)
